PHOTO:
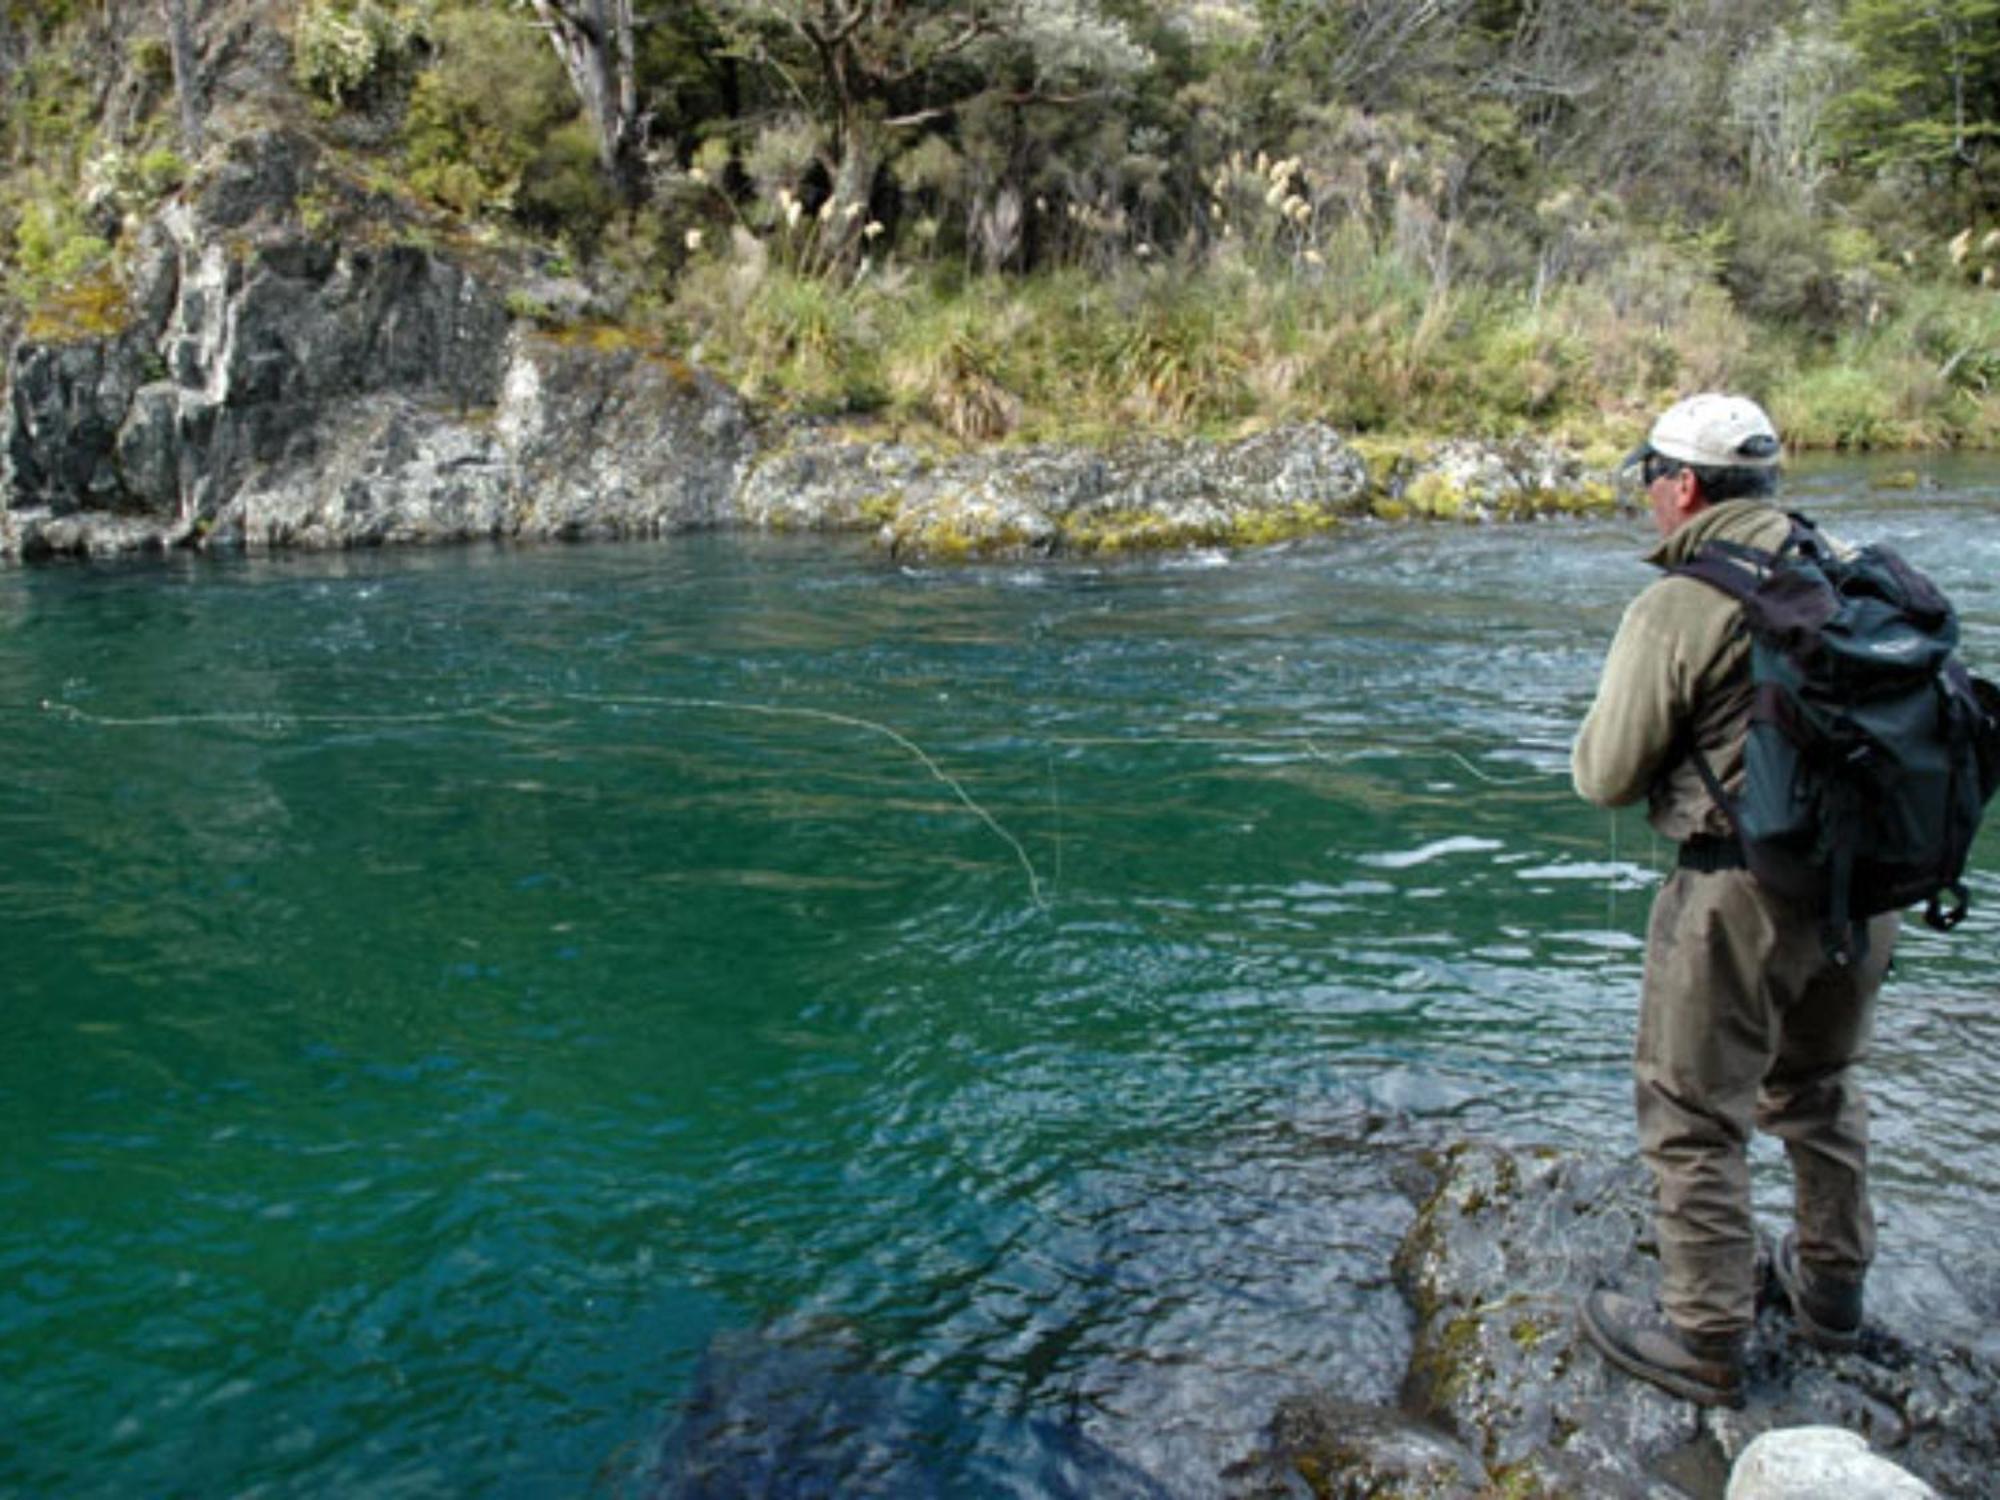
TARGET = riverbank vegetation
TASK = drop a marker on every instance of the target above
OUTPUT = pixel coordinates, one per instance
(1040, 218)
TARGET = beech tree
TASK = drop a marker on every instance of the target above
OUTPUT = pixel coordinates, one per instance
(1927, 85)
(594, 40)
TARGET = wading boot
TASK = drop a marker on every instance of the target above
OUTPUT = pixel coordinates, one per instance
(1827, 1308)
(1636, 1337)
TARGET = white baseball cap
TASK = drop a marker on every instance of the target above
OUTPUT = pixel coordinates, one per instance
(1712, 431)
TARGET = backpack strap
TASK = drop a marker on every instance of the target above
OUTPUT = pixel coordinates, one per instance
(1738, 570)
(1735, 569)
(1966, 718)
(1805, 536)
(1722, 799)
(1842, 935)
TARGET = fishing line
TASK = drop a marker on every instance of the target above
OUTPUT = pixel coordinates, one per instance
(273, 719)
(1533, 779)
(493, 713)
(497, 712)
(1055, 806)
(1311, 748)
(1611, 878)
(850, 721)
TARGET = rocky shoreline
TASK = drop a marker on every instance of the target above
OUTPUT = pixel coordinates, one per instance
(1503, 1395)
(283, 362)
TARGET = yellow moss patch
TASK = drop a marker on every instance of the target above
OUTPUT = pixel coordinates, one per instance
(1527, 1333)
(1433, 494)
(1382, 460)
(619, 338)
(1592, 496)
(1137, 530)
(880, 510)
(1283, 524)
(1444, 1361)
(94, 307)
(1383, 454)
(1518, 1482)
(1596, 495)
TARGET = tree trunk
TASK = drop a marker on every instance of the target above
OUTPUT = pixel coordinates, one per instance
(187, 82)
(862, 149)
(594, 40)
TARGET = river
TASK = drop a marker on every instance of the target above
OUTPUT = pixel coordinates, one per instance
(741, 1015)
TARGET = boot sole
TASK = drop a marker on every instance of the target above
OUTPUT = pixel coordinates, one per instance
(1680, 1385)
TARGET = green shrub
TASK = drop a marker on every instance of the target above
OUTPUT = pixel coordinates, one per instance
(1840, 405)
(1954, 329)
(1366, 339)
(1522, 367)
(151, 59)
(52, 245)
(344, 49)
(525, 304)
(564, 189)
(51, 117)
(1779, 268)
(159, 172)
(1784, 266)
(1170, 360)
(483, 110)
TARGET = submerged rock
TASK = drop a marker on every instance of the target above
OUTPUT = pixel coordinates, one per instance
(1493, 1268)
(798, 1412)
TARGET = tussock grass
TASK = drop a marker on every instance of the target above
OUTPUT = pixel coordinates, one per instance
(1363, 342)
(1366, 340)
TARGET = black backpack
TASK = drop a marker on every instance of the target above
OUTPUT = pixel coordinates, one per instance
(1872, 750)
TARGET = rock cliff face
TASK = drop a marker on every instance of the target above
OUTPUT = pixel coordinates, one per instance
(287, 359)
(271, 387)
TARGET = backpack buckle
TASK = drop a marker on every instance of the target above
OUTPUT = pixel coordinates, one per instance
(1942, 918)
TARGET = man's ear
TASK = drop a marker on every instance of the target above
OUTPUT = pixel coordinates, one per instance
(1688, 501)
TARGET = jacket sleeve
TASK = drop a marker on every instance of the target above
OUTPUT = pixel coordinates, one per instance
(1642, 702)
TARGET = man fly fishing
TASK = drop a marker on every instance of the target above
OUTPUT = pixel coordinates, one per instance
(1746, 1020)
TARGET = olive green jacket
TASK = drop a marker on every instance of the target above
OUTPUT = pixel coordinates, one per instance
(1678, 676)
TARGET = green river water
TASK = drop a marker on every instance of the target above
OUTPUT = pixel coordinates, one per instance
(741, 1016)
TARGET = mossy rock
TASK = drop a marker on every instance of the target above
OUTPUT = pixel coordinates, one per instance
(98, 306)
(882, 509)
(1340, 1448)
(1287, 523)
(1435, 494)
(1897, 479)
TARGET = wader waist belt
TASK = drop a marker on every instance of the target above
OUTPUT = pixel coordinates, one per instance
(1707, 855)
